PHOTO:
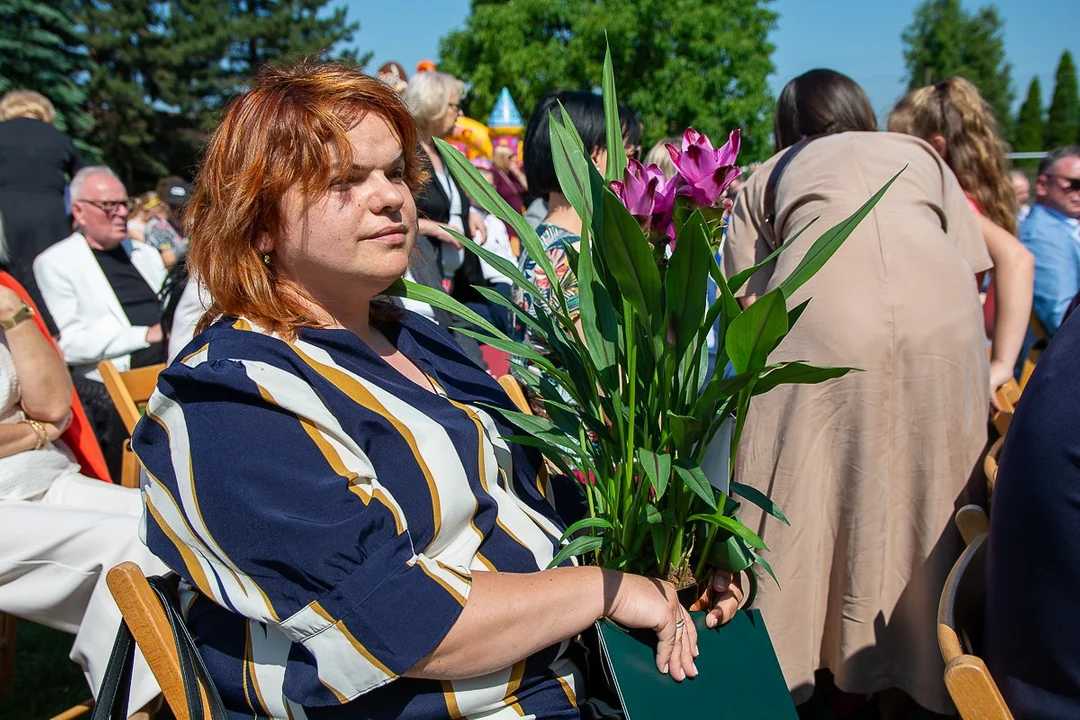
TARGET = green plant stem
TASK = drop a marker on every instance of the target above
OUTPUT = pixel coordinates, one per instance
(628, 456)
(703, 559)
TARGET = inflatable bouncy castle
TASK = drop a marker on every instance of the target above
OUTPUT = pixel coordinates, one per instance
(504, 129)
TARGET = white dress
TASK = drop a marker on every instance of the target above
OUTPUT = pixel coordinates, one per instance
(60, 532)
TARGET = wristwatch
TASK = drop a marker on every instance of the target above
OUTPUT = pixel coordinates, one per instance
(24, 313)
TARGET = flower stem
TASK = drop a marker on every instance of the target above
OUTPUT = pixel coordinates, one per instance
(628, 457)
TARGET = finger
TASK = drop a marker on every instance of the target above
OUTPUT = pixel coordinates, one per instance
(686, 647)
(665, 646)
(724, 610)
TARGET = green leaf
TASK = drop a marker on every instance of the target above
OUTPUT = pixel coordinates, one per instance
(629, 257)
(733, 526)
(495, 297)
(795, 313)
(739, 279)
(657, 468)
(616, 153)
(438, 298)
(826, 245)
(720, 389)
(756, 331)
(695, 479)
(731, 555)
(578, 546)
(760, 499)
(797, 373)
(510, 346)
(765, 564)
(652, 515)
(686, 430)
(571, 167)
(687, 280)
(592, 522)
(483, 194)
(506, 267)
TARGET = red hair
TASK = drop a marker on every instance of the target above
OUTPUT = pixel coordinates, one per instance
(289, 130)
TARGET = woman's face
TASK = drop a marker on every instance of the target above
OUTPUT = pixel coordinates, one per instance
(443, 125)
(353, 240)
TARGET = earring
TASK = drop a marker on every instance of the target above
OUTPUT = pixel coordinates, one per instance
(266, 259)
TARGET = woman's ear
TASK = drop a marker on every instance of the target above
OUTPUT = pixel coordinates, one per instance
(264, 243)
(941, 145)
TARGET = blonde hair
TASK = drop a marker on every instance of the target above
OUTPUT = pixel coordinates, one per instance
(974, 148)
(428, 95)
(660, 156)
(27, 103)
(148, 205)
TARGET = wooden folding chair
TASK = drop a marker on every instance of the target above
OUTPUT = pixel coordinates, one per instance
(130, 392)
(1008, 395)
(1042, 339)
(959, 625)
(145, 617)
(990, 466)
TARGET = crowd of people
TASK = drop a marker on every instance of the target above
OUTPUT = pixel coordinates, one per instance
(323, 471)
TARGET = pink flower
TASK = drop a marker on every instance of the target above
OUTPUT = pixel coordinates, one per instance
(648, 196)
(706, 170)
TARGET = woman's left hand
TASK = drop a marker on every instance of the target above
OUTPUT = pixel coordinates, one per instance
(722, 598)
(477, 227)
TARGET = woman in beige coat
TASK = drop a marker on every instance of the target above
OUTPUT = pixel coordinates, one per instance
(868, 467)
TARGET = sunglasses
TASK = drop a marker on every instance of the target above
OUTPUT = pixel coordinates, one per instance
(1071, 184)
(110, 207)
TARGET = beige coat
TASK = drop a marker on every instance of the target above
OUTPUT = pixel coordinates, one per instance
(867, 467)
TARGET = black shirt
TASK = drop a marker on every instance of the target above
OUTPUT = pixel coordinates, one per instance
(1033, 555)
(139, 301)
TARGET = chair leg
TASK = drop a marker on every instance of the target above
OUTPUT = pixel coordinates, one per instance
(8, 631)
(77, 711)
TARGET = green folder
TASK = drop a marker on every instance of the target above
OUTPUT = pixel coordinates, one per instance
(738, 673)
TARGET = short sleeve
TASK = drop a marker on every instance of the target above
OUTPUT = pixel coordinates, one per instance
(749, 239)
(556, 253)
(257, 497)
(962, 225)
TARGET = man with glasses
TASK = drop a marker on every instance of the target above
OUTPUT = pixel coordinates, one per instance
(1052, 232)
(102, 291)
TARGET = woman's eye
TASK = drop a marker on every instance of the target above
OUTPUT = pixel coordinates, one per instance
(397, 174)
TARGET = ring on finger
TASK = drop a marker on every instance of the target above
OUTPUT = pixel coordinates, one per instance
(679, 624)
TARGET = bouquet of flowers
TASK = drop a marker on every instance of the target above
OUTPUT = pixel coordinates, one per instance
(630, 410)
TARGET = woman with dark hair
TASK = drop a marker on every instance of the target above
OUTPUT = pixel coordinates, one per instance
(562, 226)
(870, 466)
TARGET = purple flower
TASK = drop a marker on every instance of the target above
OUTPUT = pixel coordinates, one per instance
(706, 170)
(648, 196)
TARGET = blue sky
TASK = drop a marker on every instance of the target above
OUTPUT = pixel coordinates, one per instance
(840, 34)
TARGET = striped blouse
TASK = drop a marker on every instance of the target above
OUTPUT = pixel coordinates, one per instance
(326, 514)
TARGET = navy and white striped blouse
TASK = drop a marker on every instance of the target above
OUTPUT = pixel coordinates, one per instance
(326, 514)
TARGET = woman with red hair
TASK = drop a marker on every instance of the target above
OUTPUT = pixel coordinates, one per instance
(323, 472)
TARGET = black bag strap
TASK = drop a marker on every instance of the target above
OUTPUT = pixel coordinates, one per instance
(774, 181)
(112, 698)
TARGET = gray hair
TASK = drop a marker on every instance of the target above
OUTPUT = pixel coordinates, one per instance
(1047, 163)
(79, 180)
(428, 95)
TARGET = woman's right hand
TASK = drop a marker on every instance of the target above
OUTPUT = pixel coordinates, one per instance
(635, 601)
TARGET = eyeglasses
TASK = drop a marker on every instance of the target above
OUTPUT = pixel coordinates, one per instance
(110, 207)
(1071, 184)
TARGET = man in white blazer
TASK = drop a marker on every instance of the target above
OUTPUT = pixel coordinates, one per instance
(102, 292)
(93, 323)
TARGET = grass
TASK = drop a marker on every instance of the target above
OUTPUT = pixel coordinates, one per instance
(46, 681)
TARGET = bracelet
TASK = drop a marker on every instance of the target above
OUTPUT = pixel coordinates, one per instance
(40, 431)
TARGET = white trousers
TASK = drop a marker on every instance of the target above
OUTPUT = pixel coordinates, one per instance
(54, 553)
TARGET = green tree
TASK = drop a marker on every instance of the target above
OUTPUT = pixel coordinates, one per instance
(1063, 117)
(1029, 122)
(679, 63)
(944, 39)
(40, 50)
(272, 31)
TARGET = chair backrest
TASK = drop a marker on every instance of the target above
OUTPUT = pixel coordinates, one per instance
(1008, 395)
(990, 466)
(129, 390)
(146, 619)
(959, 627)
(1042, 339)
(513, 388)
